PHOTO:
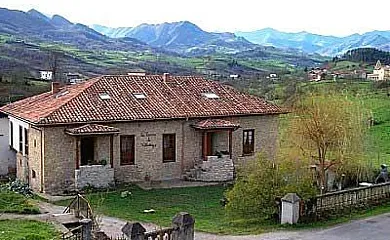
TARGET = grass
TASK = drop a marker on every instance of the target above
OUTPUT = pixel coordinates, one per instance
(11, 202)
(203, 204)
(26, 230)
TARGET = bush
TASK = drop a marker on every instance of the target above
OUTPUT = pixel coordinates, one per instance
(260, 186)
(18, 187)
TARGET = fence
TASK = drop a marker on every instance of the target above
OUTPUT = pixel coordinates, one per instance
(81, 208)
(182, 229)
(338, 202)
(73, 234)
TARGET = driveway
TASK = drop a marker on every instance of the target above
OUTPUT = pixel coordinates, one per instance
(374, 228)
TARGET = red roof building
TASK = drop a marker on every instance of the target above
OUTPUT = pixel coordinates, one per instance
(154, 127)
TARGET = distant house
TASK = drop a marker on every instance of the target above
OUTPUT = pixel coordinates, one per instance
(46, 75)
(234, 76)
(74, 78)
(380, 72)
(130, 128)
(317, 74)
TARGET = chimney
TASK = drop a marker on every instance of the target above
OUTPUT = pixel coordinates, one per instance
(166, 77)
(55, 87)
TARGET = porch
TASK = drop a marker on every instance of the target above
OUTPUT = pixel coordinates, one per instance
(216, 164)
(94, 155)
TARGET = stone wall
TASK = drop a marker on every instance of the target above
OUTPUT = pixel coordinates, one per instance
(99, 176)
(22, 167)
(266, 134)
(60, 149)
(34, 158)
(216, 169)
(148, 151)
(59, 155)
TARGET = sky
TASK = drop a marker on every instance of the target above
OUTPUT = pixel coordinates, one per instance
(326, 17)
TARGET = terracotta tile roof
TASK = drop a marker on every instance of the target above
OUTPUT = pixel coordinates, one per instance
(91, 129)
(215, 124)
(177, 97)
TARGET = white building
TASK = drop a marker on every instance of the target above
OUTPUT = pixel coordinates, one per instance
(380, 72)
(46, 75)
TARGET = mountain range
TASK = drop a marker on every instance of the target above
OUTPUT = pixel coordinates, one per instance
(168, 34)
(183, 37)
(314, 43)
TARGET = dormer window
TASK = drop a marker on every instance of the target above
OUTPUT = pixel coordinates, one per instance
(139, 95)
(60, 94)
(210, 95)
(104, 96)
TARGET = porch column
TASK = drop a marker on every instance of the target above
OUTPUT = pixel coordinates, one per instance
(230, 143)
(112, 150)
(77, 152)
(204, 143)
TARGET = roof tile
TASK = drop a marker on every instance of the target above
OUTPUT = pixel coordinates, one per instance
(177, 97)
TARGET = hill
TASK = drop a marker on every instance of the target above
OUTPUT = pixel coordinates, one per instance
(33, 25)
(314, 43)
(366, 55)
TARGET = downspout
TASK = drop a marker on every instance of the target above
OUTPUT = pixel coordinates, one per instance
(182, 147)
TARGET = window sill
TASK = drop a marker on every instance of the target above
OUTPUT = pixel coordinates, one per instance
(127, 164)
(247, 155)
(169, 161)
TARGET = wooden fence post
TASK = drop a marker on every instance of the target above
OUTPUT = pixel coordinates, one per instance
(86, 230)
(134, 231)
(184, 226)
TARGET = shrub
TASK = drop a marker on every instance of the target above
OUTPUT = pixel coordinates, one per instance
(18, 187)
(259, 186)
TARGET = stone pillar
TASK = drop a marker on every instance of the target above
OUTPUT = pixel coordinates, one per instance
(184, 224)
(86, 229)
(290, 208)
(134, 231)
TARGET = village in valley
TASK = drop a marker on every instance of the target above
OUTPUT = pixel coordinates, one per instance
(165, 130)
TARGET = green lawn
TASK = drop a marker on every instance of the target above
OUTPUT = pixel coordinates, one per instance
(11, 202)
(26, 230)
(201, 202)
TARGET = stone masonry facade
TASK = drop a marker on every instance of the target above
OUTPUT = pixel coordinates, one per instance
(100, 176)
(53, 153)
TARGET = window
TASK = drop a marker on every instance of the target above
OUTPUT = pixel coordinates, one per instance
(169, 147)
(139, 95)
(104, 96)
(25, 142)
(33, 174)
(127, 149)
(20, 139)
(249, 142)
(11, 129)
(210, 95)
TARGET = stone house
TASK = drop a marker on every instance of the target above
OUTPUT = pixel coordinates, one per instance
(120, 129)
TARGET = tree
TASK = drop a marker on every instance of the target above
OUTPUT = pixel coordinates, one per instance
(329, 130)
